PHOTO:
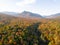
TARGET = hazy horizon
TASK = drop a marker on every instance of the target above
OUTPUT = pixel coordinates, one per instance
(43, 7)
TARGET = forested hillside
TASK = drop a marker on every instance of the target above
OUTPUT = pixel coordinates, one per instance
(27, 31)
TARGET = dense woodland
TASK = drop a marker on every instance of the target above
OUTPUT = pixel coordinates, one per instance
(21, 31)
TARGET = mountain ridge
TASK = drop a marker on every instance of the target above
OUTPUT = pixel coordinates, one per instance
(27, 14)
(30, 14)
(53, 15)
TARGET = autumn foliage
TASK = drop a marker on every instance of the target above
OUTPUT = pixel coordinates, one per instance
(21, 31)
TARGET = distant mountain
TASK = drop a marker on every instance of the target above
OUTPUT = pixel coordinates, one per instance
(57, 15)
(24, 14)
(7, 16)
(27, 14)
(11, 13)
(4, 18)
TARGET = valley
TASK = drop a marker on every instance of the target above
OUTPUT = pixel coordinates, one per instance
(28, 28)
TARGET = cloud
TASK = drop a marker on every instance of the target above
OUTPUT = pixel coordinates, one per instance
(3, 5)
(24, 3)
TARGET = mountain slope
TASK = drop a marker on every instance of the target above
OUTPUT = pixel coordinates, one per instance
(10, 13)
(27, 14)
(4, 18)
(53, 16)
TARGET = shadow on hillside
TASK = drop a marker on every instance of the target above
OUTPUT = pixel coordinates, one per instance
(33, 30)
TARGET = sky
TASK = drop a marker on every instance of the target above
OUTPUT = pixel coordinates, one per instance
(43, 7)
